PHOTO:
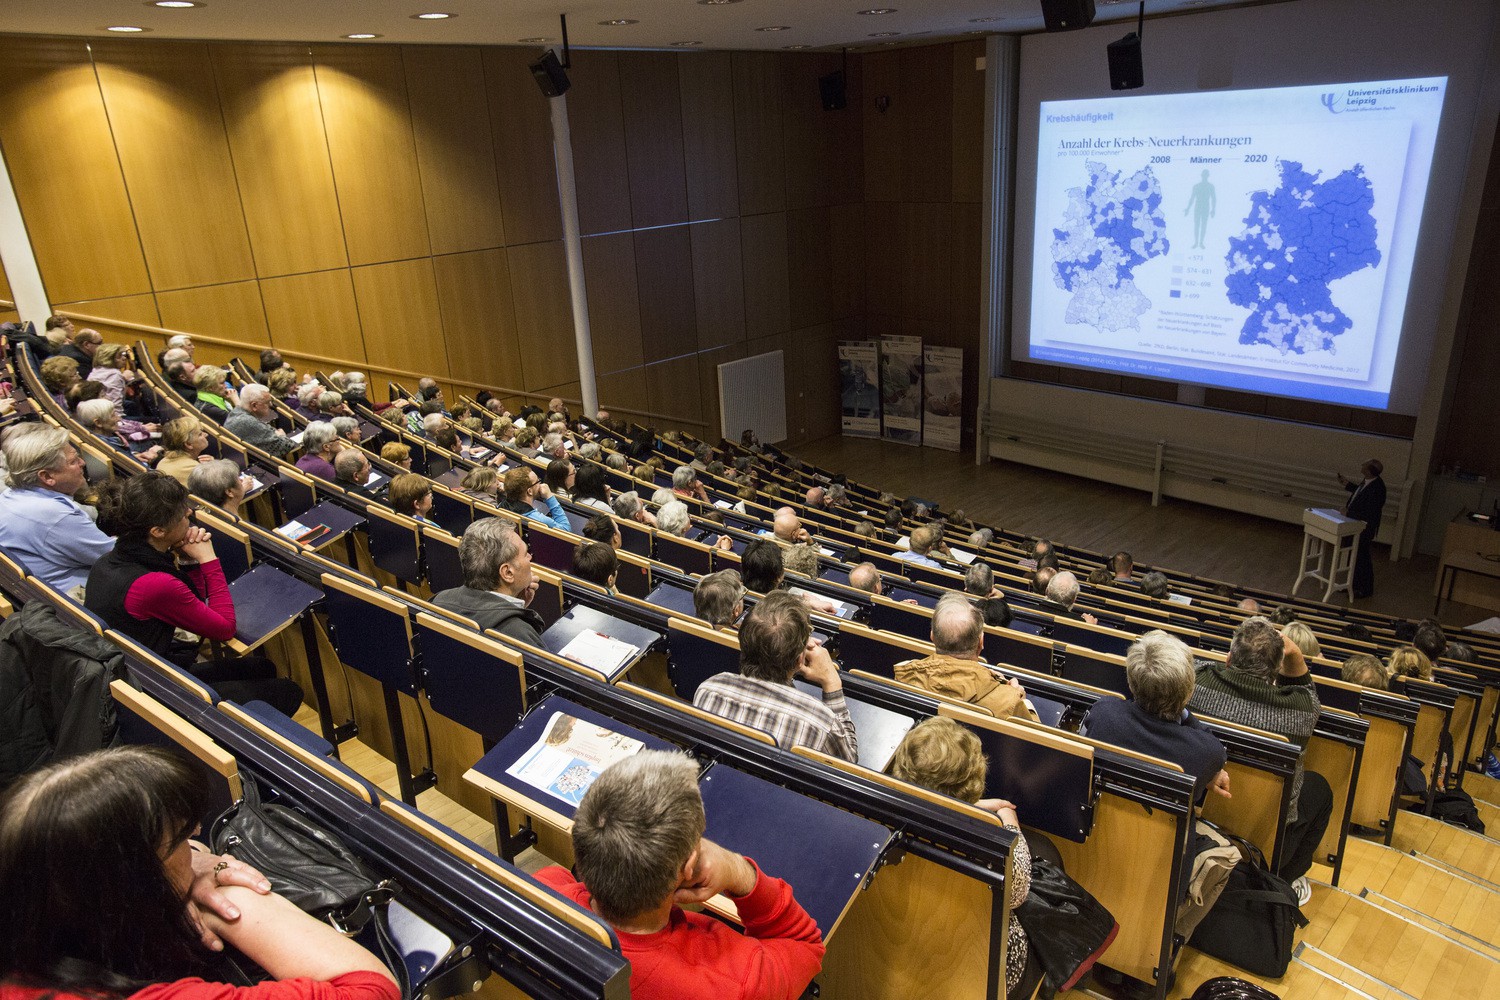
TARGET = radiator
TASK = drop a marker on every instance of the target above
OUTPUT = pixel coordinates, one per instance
(752, 394)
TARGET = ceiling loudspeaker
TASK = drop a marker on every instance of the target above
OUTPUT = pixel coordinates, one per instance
(831, 89)
(1065, 15)
(1126, 70)
(550, 75)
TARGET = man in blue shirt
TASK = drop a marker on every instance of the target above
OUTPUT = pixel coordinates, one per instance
(521, 488)
(922, 541)
(40, 522)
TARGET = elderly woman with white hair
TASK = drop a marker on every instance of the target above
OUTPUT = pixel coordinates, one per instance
(674, 519)
(628, 506)
(99, 416)
(219, 482)
(320, 443)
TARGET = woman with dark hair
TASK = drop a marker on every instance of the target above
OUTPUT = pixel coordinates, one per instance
(559, 478)
(589, 489)
(162, 576)
(602, 528)
(105, 897)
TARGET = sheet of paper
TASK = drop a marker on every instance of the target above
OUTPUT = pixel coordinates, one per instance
(840, 608)
(1179, 599)
(961, 556)
(569, 756)
(1488, 625)
(604, 653)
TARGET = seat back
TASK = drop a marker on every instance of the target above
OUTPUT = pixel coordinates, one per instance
(695, 653)
(395, 543)
(371, 633)
(477, 682)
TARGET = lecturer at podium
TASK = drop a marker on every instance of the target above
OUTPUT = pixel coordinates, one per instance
(1366, 502)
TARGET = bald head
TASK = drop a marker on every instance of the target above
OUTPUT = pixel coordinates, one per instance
(865, 577)
(815, 496)
(786, 524)
(1042, 579)
(957, 627)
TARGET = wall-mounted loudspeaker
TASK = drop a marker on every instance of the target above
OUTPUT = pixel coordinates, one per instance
(550, 75)
(1065, 15)
(831, 88)
(1126, 70)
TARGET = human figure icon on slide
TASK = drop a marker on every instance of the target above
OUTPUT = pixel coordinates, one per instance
(1205, 201)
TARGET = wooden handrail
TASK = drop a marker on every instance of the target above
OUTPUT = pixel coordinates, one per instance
(362, 366)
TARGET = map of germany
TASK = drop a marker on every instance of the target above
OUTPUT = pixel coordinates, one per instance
(1111, 227)
(1297, 240)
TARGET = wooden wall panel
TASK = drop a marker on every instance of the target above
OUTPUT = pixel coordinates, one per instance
(883, 258)
(718, 283)
(399, 315)
(67, 179)
(759, 153)
(820, 170)
(314, 313)
(708, 388)
(812, 374)
(763, 256)
(4, 285)
(968, 122)
(233, 312)
(673, 386)
(614, 307)
(544, 316)
(521, 125)
(169, 133)
(626, 388)
(926, 265)
(479, 319)
(707, 83)
(275, 124)
(927, 133)
(651, 109)
(125, 309)
(881, 130)
(664, 283)
(809, 249)
(846, 266)
(596, 121)
(363, 94)
(450, 121)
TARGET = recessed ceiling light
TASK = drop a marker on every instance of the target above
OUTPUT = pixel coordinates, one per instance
(775, 27)
(884, 34)
(984, 20)
(126, 29)
(686, 44)
(532, 41)
(877, 10)
(362, 35)
(716, 3)
(173, 4)
(433, 16)
(619, 22)
(790, 48)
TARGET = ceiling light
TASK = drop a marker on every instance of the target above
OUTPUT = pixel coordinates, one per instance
(532, 41)
(173, 4)
(877, 10)
(126, 29)
(361, 35)
(716, 3)
(984, 20)
(775, 27)
(790, 48)
(884, 34)
(686, 44)
(434, 16)
(618, 22)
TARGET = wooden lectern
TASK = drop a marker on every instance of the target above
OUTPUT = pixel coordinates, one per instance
(1330, 542)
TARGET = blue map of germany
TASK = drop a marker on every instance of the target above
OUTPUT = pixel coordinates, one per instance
(1297, 240)
(1111, 227)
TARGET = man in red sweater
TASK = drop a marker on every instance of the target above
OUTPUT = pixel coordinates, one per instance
(639, 850)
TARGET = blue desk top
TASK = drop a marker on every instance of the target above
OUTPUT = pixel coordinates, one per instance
(582, 617)
(673, 598)
(265, 600)
(824, 852)
(336, 519)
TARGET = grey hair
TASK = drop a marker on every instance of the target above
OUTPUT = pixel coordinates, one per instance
(979, 579)
(552, 442)
(173, 356)
(589, 450)
(91, 411)
(432, 421)
(213, 480)
(28, 455)
(308, 391)
(673, 517)
(957, 626)
(617, 462)
(801, 559)
(1159, 669)
(982, 538)
(1063, 589)
(179, 342)
(663, 496)
(348, 463)
(253, 392)
(1256, 649)
(344, 425)
(329, 400)
(488, 544)
(1154, 585)
(702, 452)
(317, 436)
(628, 503)
(683, 476)
(717, 595)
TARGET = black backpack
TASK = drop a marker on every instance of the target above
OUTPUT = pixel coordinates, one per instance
(1456, 807)
(1253, 924)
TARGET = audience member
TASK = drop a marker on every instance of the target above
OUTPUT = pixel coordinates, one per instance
(866, 577)
(522, 488)
(801, 560)
(1284, 615)
(411, 495)
(220, 482)
(941, 755)
(560, 476)
(1303, 638)
(40, 522)
(640, 855)
(81, 348)
(396, 454)
(776, 645)
(348, 430)
(214, 397)
(1461, 651)
(1249, 605)
(955, 669)
(106, 897)
(1265, 685)
(1409, 661)
(185, 441)
(1121, 565)
(320, 443)
(1365, 670)
(1430, 640)
(498, 583)
(602, 528)
(1154, 585)
(1062, 591)
(1042, 579)
(163, 575)
(923, 540)
(481, 483)
(597, 563)
(351, 469)
(59, 375)
(251, 421)
(270, 361)
(1099, 576)
(719, 598)
(786, 527)
(628, 507)
(589, 489)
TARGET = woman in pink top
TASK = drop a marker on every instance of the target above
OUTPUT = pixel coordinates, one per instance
(105, 896)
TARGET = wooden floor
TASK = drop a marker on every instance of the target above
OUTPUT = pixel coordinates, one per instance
(1236, 548)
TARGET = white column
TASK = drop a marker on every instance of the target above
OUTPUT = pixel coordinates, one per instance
(567, 204)
(16, 255)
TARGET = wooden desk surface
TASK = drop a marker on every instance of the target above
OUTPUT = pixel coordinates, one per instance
(1465, 546)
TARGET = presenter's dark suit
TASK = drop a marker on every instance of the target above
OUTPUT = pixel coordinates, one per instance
(1366, 502)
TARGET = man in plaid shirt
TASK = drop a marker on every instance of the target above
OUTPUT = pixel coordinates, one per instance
(775, 645)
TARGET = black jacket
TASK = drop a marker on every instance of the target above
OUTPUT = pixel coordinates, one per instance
(1368, 504)
(491, 612)
(54, 691)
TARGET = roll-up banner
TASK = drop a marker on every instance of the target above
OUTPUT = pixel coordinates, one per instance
(859, 385)
(901, 388)
(943, 399)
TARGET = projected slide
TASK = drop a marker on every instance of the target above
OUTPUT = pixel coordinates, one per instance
(1259, 240)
